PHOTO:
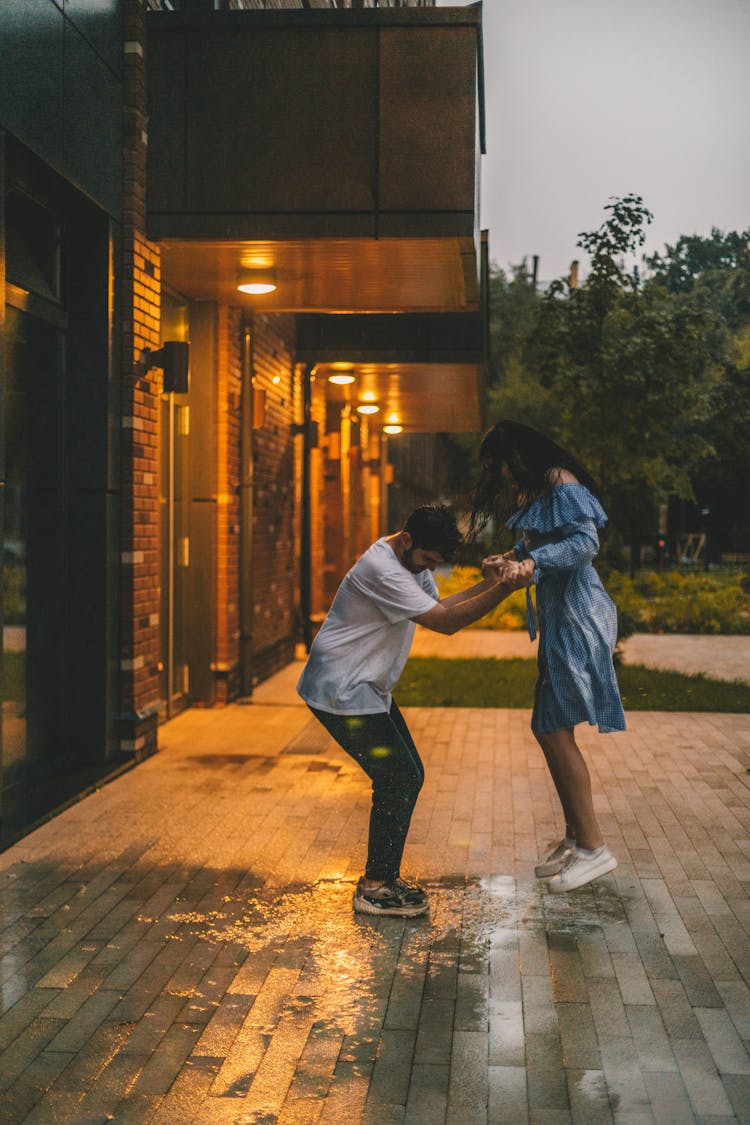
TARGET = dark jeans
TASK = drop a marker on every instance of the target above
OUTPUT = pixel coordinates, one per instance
(382, 745)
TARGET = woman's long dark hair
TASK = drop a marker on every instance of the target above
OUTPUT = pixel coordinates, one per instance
(516, 463)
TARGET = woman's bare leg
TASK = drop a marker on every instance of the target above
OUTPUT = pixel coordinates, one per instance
(572, 781)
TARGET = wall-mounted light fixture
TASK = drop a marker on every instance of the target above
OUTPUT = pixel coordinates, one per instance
(256, 281)
(173, 357)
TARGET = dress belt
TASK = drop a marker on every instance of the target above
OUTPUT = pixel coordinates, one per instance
(530, 615)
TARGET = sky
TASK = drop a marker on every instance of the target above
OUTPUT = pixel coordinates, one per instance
(590, 99)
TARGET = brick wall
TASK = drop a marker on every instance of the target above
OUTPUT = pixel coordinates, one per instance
(139, 276)
(317, 504)
(275, 577)
(228, 438)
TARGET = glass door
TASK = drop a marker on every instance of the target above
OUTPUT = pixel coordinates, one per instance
(34, 565)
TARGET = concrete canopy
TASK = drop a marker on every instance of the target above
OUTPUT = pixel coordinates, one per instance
(340, 150)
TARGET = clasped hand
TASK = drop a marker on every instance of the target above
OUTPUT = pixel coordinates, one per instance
(501, 569)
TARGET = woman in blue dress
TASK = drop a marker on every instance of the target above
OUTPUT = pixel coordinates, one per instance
(530, 484)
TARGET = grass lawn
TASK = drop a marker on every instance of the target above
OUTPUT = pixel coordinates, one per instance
(431, 682)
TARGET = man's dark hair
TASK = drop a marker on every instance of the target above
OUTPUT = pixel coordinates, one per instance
(433, 528)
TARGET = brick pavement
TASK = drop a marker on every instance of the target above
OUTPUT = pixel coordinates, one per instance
(720, 657)
(179, 947)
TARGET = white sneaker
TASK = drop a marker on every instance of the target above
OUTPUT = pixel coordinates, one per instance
(579, 869)
(554, 861)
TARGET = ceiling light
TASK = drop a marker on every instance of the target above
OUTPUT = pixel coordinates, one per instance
(392, 428)
(368, 408)
(342, 377)
(256, 281)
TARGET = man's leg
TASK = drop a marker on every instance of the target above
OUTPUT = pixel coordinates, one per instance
(382, 745)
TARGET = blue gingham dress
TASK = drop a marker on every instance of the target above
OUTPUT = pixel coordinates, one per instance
(577, 618)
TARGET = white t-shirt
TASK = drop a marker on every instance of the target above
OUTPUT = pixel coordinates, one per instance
(364, 642)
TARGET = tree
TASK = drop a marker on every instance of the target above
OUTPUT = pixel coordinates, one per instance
(714, 273)
(511, 389)
(629, 365)
(513, 386)
(644, 373)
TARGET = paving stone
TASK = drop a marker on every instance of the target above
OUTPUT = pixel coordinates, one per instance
(697, 982)
(391, 1074)
(314, 1072)
(435, 1033)
(428, 1095)
(580, 1050)
(57, 1105)
(274, 1075)
(539, 1012)
(589, 1097)
(668, 1097)
(472, 1002)
(704, 1086)
(676, 1011)
(737, 1088)
(632, 979)
(189, 1090)
(607, 1009)
(727, 1049)
(506, 1035)
(204, 966)
(546, 1080)
(508, 1100)
(468, 1070)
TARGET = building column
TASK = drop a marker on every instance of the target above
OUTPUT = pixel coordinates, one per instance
(140, 320)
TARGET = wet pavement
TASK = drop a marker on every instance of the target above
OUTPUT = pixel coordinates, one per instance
(180, 947)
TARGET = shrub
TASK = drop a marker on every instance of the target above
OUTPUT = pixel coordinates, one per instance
(676, 601)
(510, 614)
(670, 601)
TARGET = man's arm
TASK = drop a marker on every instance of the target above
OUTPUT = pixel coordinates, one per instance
(492, 569)
(448, 616)
(469, 592)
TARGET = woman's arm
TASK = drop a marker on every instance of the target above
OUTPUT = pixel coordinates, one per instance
(579, 545)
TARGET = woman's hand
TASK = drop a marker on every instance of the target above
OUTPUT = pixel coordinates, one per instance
(525, 573)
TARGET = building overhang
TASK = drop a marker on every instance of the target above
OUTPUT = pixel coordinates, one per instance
(338, 147)
(424, 371)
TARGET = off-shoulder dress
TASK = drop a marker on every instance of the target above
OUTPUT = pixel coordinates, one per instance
(577, 618)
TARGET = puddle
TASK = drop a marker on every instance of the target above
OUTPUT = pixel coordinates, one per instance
(347, 962)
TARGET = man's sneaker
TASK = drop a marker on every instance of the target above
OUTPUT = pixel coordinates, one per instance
(396, 898)
(554, 861)
(417, 893)
(580, 868)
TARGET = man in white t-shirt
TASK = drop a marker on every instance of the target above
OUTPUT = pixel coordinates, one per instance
(355, 662)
